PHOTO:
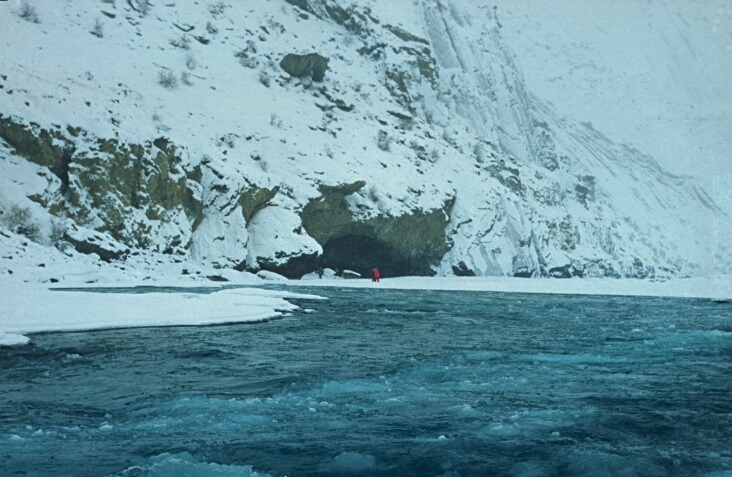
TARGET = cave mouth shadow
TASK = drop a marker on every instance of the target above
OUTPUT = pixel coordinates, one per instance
(363, 253)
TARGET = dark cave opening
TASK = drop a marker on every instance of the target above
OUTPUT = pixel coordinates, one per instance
(359, 253)
(363, 253)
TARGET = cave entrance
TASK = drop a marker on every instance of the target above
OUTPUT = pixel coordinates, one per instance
(362, 253)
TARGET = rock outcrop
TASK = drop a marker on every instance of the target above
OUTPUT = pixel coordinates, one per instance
(409, 244)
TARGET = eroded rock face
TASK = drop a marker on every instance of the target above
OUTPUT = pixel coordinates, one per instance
(409, 244)
(116, 197)
(45, 147)
(137, 194)
(277, 243)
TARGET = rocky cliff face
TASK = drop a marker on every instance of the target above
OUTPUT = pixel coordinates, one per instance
(132, 192)
(413, 146)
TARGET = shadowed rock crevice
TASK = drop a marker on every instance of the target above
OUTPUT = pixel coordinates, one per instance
(294, 268)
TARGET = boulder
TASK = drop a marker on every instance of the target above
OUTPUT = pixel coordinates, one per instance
(311, 66)
(89, 241)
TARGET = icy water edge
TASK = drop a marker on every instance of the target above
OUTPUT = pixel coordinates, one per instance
(384, 383)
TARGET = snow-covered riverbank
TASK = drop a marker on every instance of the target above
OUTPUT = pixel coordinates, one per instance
(718, 288)
(30, 272)
(31, 304)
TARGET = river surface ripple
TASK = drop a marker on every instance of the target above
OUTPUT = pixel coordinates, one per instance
(384, 383)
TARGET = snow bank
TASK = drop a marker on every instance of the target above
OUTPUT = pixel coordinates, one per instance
(31, 309)
(12, 339)
(27, 305)
(28, 308)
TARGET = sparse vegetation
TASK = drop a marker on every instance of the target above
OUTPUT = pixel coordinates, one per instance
(247, 56)
(185, 78)
(263, 164)
(448, 137)
(275, 26)
(211, 28)
(406, 124)
(274, 120)
(58, 232)
(141, 6)
(217, 8)
(28, 13)
(264, 78)
(20, 220)
(98, 29)
(373, 193)
(184, 42)
(245, 59)
(478, 153)
(167, 79)
(228, 140)
(384, 140)
(191, 62)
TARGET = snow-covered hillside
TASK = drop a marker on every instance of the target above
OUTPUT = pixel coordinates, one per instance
(184, 130)
(652, 74)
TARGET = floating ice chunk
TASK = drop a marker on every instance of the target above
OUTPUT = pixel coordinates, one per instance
(588, 463)
(327, 273)
(12, 339)
(16, 438)
(169, 465)
(271, 276)
(719, 473)
(442, 437)
(106, 426)
(502, 430)
(465, 410)
(527, 469)
(352, 462)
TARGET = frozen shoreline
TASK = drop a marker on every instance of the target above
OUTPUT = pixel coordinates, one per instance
(719, 287)
(29, 273)
(35, 307)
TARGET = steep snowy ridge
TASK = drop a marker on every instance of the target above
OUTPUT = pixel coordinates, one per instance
(175, 130)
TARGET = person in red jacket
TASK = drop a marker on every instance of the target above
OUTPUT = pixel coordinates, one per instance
(375, 275)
